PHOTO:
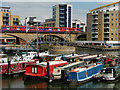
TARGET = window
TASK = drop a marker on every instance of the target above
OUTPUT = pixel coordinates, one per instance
(115, 29)
(119, 29)
(116, 19)
(32, 69)
(23, 65)
(35, 69)
(111, 29)
(111, 33)
(116, 24)
(111, 38)
(115, 33)
(119, 33)
(116, 14)
(113, 9)
(114, 5)
(112, 24)
(112, 19)
(13, 18)
(119, 38)
(112, 14)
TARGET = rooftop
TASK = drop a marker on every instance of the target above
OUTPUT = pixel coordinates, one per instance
(104, 6)
(5, 7)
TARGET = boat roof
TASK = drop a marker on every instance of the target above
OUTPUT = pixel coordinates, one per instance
(90, 56)
(85, 67)
(50, 63)
(82, 55)
(3, 54)
(71, 64)
(12, 62)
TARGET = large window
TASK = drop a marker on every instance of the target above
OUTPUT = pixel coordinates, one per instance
(32, 69)
(35, 69)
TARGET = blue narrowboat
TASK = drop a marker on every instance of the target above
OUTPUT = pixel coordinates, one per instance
(85, 73)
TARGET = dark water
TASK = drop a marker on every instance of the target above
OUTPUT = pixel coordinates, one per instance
(18, 82)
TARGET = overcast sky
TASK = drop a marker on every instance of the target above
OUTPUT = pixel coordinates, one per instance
(43, 10)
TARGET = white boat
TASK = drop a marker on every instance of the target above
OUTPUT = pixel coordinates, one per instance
(30, 55)
(3, 58)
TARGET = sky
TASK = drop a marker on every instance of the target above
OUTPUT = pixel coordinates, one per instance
(43, 10)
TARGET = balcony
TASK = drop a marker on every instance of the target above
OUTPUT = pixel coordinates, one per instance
(106, 22)
(106, 36)
(62, 21)
(62, 17)
(106, 27)
(94, 22)
(62, 13)
(94, 27)
(106, 31)
(96, 36)
(95, 18)
(94, 14)
(106, 17)
(94, 32)
(61, 8)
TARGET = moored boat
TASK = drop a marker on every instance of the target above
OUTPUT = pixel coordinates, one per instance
(111, 71)
(11, 67)
(84, 73)
(43, 69)
(60, 74)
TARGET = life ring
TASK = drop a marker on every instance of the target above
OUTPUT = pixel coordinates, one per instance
(44, 60)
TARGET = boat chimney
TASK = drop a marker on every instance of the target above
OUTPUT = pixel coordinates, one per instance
(97, 55)
(9, 68)
(72, 58)
(48, 69)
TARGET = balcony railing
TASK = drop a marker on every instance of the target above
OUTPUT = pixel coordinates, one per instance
(96, 36)
(94, 27)
(106, 17)
(106, 36)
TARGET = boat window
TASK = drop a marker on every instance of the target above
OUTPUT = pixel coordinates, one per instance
(14, 66)
(23, 65)
(32, 69)
(5, 67)
(35, 69)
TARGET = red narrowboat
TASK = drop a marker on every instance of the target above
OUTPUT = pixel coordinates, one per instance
(10, 68)
(40, 69)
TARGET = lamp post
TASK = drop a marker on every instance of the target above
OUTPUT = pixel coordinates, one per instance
(36, 21)
(26, 32)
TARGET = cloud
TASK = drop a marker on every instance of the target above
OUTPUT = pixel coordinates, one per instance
(43, 10)
(60, 0)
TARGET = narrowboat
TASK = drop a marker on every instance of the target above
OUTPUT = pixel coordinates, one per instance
(61, 73)
(111, 71)
(8, 67)
(84, 73)
(43, 69)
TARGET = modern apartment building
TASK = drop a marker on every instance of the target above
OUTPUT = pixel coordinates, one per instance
(62, 13)
(32, 21)
(6, 18)
(103, 23)
(49, 22)
(78, 24)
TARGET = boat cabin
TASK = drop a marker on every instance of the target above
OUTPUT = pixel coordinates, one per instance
(61, 72)
(85, 73)
(40, 69)
(14, 66)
